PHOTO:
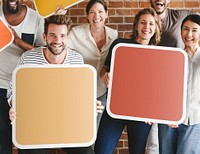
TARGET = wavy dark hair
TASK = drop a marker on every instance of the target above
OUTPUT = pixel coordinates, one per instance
(155, 39)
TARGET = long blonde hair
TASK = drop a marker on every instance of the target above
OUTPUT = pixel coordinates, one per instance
(155, 39)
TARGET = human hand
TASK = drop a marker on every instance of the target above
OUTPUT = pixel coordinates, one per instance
(99, 108)
(60, 10)
(150, 123)
(12, 115)
(173, 125)
(106, 79)
(17, 39)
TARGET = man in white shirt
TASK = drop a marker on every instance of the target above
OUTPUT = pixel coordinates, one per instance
(27, 28)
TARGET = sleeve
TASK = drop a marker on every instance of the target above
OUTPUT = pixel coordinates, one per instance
(39, 32)
(185, 13)
(10, 88)
(72, 39)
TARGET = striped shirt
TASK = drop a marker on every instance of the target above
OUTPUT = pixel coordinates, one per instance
(36, 57)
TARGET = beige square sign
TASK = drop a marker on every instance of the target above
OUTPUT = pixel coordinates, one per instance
(55, 106)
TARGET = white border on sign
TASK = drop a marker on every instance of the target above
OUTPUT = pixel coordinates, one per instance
(12, 37)
(38, 146)
(139, 118)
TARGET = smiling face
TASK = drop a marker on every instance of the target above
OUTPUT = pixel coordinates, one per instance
(159, 5)
(145, 28)
(56, 38)
(12, 6)
(190, 34)
(97, 15)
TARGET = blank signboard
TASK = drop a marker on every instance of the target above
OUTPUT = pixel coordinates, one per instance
(148, 83)
(55, 106)
(46, 8)
(6, 36)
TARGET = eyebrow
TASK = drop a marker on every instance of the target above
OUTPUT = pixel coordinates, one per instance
(189, 27)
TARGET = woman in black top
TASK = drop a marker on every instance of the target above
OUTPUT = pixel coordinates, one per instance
(147, 31)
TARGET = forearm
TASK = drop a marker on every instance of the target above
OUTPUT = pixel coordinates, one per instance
(23, 45)
(103, 71)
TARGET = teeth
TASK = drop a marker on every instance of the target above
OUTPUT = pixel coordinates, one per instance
(56, 46)
(188, 39)
(12, 3)
(96, 21)
(159, 3)
(146, 32)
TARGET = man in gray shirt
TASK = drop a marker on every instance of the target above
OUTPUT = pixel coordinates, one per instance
(171, 22)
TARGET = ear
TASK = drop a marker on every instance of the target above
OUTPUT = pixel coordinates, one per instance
(44, 37)
(88, 18)
(106, 14)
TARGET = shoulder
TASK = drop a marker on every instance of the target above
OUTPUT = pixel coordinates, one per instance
(74, 54)
(111, 32)
(35, 52)
(32, 14)
(79, 29)
(122, 40)
(180, 13)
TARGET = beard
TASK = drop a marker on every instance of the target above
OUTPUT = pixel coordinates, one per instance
(159, 12)
(53, 51)
(12, 10)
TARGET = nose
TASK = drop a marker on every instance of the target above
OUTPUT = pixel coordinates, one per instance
(189, 33)
(147, 25)
(57, 39)
(96, 14)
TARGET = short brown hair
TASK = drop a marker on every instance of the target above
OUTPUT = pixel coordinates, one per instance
(59, 20)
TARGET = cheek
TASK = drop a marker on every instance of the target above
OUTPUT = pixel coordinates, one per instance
(183, 33)
(88, 18)
(198, 36)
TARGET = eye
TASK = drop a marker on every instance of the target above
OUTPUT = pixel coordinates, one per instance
(91, 12)
(101, 11)
(142, 22)
(186, 28)
(52, 35)
(194, 30)
(63, 36)
(151, 23)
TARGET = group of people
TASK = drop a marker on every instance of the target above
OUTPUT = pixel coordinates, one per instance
(53, 41)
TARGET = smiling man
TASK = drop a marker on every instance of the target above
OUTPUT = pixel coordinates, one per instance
(56, 29)
(27, 28)
(171, 22)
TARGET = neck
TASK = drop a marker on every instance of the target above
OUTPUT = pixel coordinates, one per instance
(140, 41)
(54, 59)
(99, 36)
(17, 18)
(191, 50)
(96, 31)
(163, 15)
